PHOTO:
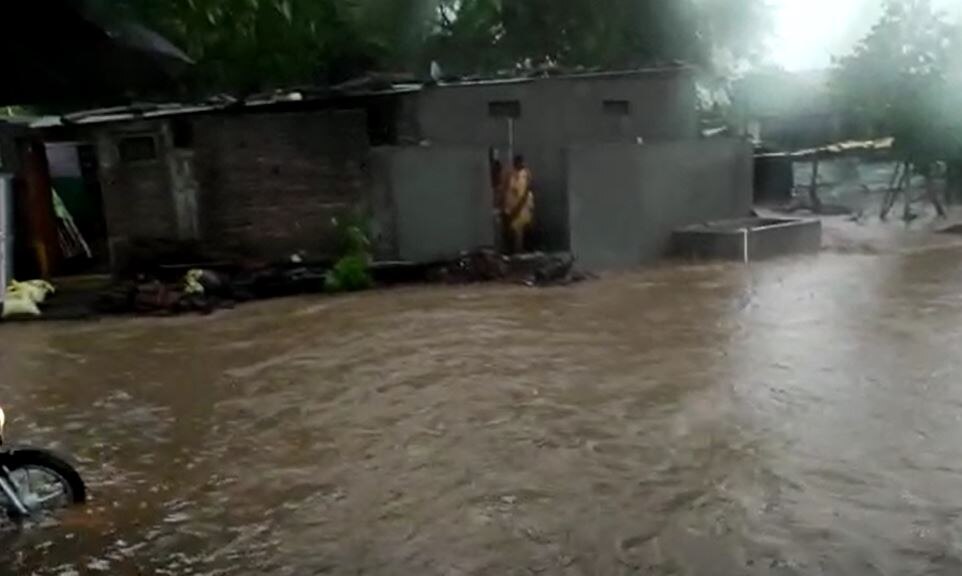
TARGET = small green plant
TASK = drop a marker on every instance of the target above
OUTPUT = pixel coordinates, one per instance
(351, 272)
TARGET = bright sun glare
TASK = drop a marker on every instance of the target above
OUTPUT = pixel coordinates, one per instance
(809, 32)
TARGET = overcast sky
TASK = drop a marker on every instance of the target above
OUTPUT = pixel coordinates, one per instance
(809, 32)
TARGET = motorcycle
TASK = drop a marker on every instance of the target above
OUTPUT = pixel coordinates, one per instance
(33, 481)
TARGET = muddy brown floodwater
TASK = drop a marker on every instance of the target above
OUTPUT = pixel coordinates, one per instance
(802, 416)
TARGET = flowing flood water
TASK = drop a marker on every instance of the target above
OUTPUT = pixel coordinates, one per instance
(802, 416)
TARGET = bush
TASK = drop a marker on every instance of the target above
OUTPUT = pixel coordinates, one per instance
(352, 272)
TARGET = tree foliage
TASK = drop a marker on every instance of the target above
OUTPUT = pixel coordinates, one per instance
(601, 33)
(246, 45)
(902, 80)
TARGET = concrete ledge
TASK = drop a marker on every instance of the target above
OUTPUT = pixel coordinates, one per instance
(747, 239)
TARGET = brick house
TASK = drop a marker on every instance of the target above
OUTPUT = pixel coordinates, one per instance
(262, 180)
(209, 184)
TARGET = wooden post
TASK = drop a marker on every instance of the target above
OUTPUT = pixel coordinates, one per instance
(931, 193)
(892, 193)
(953, 181)
(36, 203)
(905, 188)
(813, 189)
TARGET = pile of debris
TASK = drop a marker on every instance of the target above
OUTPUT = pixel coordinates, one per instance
(535, 269)
(179, 289)
(204, 290)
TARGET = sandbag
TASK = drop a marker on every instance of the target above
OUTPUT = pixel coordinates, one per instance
(192, 283)
(35, 290)
(18, 306)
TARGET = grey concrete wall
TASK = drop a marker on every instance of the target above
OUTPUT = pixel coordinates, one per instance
(706, 245)
(7, 231)
(384, 223)
(555, 113)
(802, 237)
(432, 203)
(625, 200)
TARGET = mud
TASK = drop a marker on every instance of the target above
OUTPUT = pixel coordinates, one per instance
(799, 416)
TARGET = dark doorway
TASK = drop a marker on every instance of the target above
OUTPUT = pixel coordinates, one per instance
(74, 179)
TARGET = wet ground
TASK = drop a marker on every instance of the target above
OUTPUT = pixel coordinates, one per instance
(802, 416)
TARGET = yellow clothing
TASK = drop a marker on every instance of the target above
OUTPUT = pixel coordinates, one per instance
(519, 200)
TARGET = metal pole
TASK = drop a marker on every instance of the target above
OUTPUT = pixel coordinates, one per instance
(745, 246)
(4, 223)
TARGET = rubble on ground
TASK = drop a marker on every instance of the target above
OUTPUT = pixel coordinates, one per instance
(534, 269)
(182, 289)
(203, 291)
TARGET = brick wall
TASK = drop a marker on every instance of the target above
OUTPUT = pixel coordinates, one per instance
(270, 183)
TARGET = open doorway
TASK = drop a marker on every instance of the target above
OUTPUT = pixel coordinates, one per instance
(78, 205)
(511, 180)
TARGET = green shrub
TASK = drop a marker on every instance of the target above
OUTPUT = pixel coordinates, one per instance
(350, 274)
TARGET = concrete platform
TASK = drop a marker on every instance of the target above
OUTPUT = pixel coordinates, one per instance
(747, 239)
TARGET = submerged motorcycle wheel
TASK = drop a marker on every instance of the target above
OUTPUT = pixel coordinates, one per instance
(43, 480)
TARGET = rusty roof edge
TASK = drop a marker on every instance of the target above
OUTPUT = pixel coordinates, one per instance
(836, 149)
(165, 110)
(541, 76)
(147, 111)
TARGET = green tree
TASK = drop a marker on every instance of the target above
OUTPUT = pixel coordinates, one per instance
(251, 45)
(901, 81)
(895, 80)
(488, 35)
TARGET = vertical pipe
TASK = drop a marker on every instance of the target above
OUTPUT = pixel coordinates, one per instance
(745, 245)
(4, 232)
(813, 190)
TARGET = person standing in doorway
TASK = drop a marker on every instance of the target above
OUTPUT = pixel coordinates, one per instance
(518, 207)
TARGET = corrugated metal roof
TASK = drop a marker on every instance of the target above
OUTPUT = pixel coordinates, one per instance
(148, 111)
(837, 149)
(106, 115)
(585, 75)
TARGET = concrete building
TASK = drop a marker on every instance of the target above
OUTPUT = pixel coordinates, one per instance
(264, 180)
(541, 117)
(626, 200)
(617, 159)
